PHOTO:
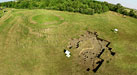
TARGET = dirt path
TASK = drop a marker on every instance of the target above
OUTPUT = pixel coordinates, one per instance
(5, 17)
(11, 35)
(61, 18)
(85, 49)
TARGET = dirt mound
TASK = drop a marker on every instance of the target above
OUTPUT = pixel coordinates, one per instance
(90, 47)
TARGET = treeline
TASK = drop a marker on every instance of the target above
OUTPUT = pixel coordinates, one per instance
(122, 10)
(82, 6)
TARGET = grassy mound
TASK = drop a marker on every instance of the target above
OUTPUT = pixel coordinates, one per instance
(29, 47)
(45, 18)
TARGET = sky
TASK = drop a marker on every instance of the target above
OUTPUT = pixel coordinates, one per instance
(126, 3)
(5, 0)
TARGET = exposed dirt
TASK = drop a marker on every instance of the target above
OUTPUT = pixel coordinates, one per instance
(54, 22)
(34, 33)
(90, 47)
(61, 18)
(46, 30)
(12, 31)
(31, 21)
(5, 17)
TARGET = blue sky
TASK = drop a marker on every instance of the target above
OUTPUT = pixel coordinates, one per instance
(126, 3)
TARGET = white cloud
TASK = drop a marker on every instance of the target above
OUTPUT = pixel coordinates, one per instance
(126, 3)
(5, 0)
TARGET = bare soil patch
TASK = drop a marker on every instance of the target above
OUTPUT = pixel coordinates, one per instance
(31, 21)
(48, 23)
(90, 48)
(61, 18)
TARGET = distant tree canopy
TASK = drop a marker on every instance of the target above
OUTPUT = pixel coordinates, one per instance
(122, 10)
(82, 6)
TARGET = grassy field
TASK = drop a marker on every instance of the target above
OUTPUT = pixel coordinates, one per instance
(32, 42)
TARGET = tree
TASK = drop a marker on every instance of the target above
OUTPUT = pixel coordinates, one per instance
(125, 12)
(76, 10)
(105, 8)
(81, 10)
(82, 6)
(118, 8)
(131, 13)
(90, 11)
(91, 5)
(70, 9)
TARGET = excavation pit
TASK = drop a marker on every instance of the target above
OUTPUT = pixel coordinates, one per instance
(90, 48)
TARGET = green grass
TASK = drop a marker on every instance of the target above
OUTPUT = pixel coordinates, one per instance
(45, 18)
(28, 46)
(1, 13)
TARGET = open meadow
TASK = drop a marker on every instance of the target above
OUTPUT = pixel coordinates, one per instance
(32, 42)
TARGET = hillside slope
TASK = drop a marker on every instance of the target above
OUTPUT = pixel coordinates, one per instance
(32, 42)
